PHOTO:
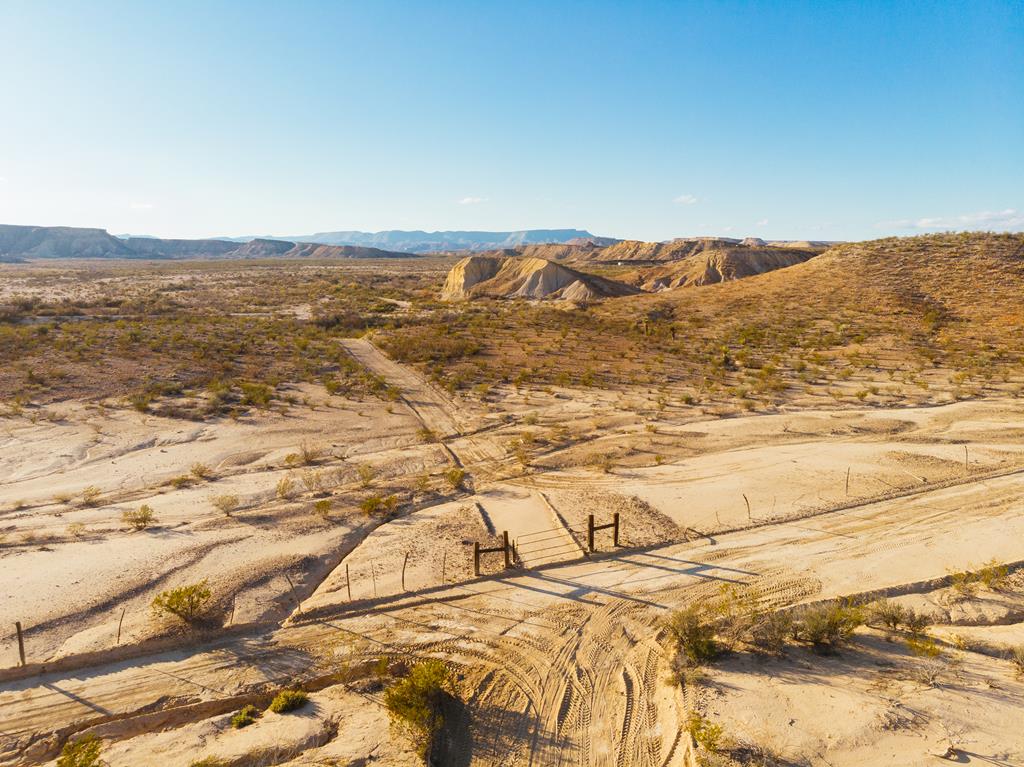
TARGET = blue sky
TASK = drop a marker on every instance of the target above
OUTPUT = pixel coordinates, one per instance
(825, 120)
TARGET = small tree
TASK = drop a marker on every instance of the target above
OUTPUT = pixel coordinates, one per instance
(184, 602)
(416, 703)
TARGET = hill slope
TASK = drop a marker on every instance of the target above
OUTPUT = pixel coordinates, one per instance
(716, 265)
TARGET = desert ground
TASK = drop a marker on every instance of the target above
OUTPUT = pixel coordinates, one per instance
(322, 445)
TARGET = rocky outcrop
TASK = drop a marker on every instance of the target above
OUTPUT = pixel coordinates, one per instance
(714, 266)
(532, 278)
(467, 274)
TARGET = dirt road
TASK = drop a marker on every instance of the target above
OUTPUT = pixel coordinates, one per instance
(560, 664)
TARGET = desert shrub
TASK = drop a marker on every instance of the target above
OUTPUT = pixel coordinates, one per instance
(184, 602)
(377, 504)
(82, 752)
(916, 623)
(310, 453)
(455, 477)
(76, 529)
(993, 575)
(182, 480)
(313, 480)
(769, 631)
(248, 715)
(694, 636)
(200, 471)
(923, 646)
(426, 435)
(140, 518)
(827, 626)
(366, 474)
(964, 583)
(288, 700)
(208, 761)
(705, 733)
(285, 487)
(322, 508)
(887, 613)
(256, 394)
(416, 703)
(225, 503)
(1017, 658)
(91, 495)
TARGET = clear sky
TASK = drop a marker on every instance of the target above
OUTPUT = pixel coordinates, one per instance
(650, 120)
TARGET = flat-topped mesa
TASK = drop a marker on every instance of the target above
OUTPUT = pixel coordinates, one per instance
(535, 278)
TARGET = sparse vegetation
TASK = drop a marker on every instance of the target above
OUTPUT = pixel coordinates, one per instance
(82, 752)
(185, 602)
(225, 504)
(246, 716)
(139, 518)
(288, 700)
(416, 704)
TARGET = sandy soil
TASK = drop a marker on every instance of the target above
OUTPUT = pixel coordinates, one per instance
(105, 566)
(560, 665)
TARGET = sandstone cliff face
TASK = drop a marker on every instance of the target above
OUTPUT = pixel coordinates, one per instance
(467, 274)
(532, 278)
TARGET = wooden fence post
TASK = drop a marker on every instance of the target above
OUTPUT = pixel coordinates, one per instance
(404, 563)
(615, 529)
(508, 553)
(21, 642)
(590, 532)
(476, 558)
(348, 583)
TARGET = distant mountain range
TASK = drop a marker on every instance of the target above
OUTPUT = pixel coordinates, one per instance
(28, 242)
(417, 241)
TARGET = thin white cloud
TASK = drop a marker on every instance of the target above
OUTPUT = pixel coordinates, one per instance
(685, 199)
(986, 219)
(141, 206)
(472, 200)
(762, 222)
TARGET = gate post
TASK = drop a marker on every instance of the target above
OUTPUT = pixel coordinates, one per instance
(504, 542)
(615, 528)
(590, 532)
(476, 558)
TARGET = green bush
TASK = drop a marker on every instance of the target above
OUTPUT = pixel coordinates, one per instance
(248, 715)
(694, 636)
(83, 752)
(416, 703)
(288, 700)
(184, 602)
(706, 734)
